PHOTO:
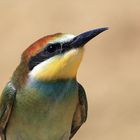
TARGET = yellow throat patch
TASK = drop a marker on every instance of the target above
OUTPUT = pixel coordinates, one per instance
(62, 66)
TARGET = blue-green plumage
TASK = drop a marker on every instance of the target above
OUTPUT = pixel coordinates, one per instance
(44, 110)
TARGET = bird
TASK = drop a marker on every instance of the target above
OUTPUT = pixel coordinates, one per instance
(43, 99)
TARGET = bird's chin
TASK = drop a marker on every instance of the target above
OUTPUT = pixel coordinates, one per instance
(69, 63)
(59, 67)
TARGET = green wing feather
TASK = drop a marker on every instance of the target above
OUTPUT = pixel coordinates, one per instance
(6, 104)
(80, 114)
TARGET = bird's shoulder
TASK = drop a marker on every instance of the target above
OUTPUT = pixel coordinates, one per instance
(6, 103)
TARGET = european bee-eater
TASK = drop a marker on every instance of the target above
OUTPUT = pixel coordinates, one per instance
(43, 100)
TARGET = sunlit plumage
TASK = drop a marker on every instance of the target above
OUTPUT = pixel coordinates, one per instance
(43, 100)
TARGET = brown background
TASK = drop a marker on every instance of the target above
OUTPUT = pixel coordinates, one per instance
(110, 71)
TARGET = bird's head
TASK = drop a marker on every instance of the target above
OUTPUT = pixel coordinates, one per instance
(56, 56)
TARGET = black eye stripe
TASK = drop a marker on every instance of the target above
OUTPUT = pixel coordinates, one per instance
(49, 51)
(52, 47)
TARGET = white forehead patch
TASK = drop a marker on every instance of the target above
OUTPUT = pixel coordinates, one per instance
(64, 38)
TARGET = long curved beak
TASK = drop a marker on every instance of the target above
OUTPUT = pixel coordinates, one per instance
(83, 38)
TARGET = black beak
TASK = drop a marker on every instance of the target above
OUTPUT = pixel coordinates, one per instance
(83, 38)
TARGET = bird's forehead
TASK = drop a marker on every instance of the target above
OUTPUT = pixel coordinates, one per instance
(40, 44)
(62, 38)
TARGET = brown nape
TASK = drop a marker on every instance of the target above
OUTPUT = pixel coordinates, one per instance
(20, 75)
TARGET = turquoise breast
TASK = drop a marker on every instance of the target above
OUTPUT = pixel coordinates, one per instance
(43, 111)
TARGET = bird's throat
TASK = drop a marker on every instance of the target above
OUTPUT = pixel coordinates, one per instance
(63, 66)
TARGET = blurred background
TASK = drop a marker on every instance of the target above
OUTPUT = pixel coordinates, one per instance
(110, 71)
